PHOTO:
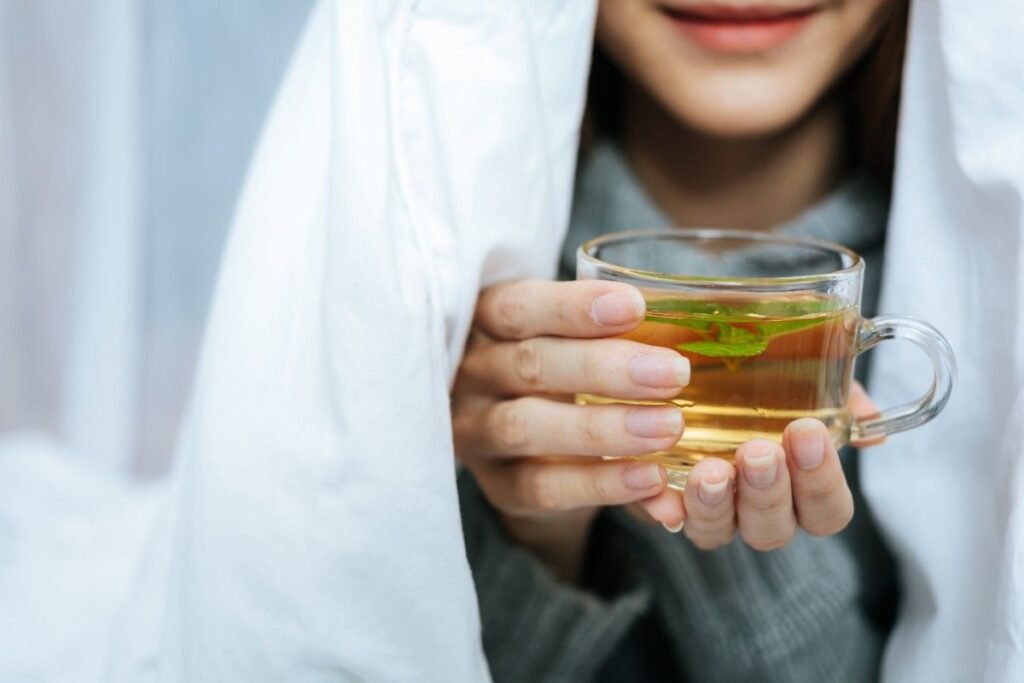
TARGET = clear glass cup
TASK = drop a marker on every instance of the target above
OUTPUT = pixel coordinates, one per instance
(771, 326)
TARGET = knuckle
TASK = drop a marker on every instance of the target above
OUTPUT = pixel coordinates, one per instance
(528, 364)
(539, 490)
(602, 489)
(591, 436)
(594, 370)
(766, 505)
(826, 525)
(510, 310)
(509, 429)
(819, 491)
(562, 312)
(717, 521)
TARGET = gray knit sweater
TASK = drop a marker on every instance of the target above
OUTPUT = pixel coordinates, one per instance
(651, 606)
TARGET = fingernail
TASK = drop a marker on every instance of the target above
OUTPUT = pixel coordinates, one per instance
(660, 370)
(761, 467)
(808, 443)
(618, 308)
(712, 494)
(654, 422)
(642, 476)
(674, 529)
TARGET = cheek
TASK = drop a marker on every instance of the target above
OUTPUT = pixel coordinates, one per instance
(623, 25)
(858, 22)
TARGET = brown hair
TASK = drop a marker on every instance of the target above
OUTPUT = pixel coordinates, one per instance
(872, 90)
(873, 87)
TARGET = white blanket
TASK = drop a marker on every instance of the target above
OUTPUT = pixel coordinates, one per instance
(417, 151)
(949, 495)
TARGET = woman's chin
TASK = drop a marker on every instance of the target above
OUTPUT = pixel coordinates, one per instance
(740, 117)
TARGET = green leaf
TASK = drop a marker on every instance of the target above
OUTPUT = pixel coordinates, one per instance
(717, 349)
(732, 334)
(738, 330)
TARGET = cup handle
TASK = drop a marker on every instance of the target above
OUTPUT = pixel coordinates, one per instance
(909, 415)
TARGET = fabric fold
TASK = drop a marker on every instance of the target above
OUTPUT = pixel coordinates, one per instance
(944, 493)
(416, 150)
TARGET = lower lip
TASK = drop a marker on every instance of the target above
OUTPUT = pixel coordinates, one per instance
(737, 37)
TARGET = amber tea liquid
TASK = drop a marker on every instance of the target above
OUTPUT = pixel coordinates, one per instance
(756, 365)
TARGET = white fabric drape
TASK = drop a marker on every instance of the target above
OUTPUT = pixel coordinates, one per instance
(950, 496)
(416, 151)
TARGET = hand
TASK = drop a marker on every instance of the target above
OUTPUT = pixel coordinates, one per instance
(534, 453)
(777, 488)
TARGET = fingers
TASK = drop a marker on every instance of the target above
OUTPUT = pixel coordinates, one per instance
(536, 426)
(776, 489)
(821, 496)
(549, 365)
(710, 510)
(666, 508)
(535, 308)
(765, 506)
(529, 487)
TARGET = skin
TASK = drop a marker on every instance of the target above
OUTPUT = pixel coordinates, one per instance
(745, 140)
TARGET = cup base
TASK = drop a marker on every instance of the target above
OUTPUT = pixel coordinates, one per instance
(677, 477)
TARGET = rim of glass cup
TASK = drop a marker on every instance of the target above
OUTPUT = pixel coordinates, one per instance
(588, 248)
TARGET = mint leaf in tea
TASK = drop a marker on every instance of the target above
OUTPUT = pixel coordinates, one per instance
(736, 330)
(757, 365)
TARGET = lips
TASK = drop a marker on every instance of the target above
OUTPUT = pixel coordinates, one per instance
(740, 29)
(731, 14)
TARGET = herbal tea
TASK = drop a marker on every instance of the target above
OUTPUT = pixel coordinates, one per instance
(757, 365)
(771, 325)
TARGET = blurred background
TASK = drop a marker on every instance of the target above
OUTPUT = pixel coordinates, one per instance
(125, 130)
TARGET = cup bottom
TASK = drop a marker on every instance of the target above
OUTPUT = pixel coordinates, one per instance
(677, 477)
(680, 460)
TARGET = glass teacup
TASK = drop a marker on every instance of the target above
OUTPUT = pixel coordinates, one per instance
(771, 326)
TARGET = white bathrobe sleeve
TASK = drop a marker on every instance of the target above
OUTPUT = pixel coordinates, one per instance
(950, 495)
(418, 150)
